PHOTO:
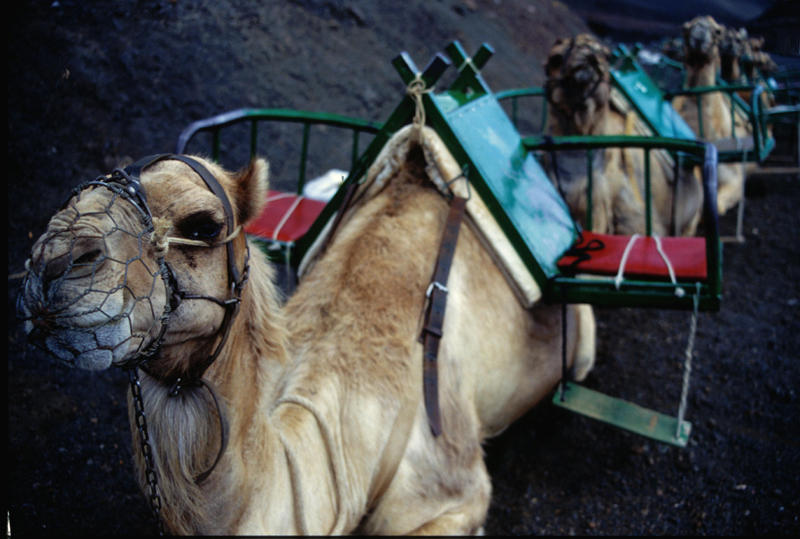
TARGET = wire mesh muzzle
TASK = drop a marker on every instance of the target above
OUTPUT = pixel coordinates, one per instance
(94, 278)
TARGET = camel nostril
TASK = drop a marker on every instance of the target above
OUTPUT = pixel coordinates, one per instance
(88, 258)
(81, 260)
(56, 267)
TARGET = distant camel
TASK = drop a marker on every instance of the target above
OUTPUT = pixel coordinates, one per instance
(733, 46)
(701, 38)
(582, 101)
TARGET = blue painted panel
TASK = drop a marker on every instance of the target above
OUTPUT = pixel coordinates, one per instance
(648, 99)
(514, 177)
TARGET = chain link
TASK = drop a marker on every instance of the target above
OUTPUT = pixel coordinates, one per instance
(147, 451)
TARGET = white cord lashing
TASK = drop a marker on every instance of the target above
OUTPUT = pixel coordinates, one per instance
(680, 292)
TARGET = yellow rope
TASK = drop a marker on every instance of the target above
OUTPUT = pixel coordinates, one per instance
(161, 240)
(416, 89)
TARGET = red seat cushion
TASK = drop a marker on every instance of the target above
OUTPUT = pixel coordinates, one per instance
(687, 255)
(286, 217)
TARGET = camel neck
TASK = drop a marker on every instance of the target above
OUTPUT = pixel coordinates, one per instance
(704, 75)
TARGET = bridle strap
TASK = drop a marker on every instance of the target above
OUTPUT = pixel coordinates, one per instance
(434, 317)
(236, 278)
(134, 170)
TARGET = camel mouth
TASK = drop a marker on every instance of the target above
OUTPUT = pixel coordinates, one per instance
(577, 84)
(82, 302)
(90, 339)
(90, 348)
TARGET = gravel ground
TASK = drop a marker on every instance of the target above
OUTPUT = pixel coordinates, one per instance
(93, 82)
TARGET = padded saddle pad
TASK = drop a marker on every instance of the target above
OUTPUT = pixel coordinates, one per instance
(603, 255)
(286, 218)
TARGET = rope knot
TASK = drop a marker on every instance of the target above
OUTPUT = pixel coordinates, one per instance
(161, 239)
(161, 228)
(416, 89)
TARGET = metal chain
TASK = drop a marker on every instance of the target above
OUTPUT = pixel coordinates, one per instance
(147, 451)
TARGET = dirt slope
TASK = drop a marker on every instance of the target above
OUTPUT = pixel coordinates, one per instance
(91, 83)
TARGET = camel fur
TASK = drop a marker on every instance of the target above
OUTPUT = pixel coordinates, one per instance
(327, 432)
(756, 62)
(582, 101)
(733, 45)
(701, 38)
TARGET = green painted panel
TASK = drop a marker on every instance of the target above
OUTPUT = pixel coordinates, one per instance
(515, 178)
(659, 114)
(622, 414)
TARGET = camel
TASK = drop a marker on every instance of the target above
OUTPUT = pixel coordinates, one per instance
(305, 417)
(733, 45)
(757, 63)
(582, 101)
(701, 38)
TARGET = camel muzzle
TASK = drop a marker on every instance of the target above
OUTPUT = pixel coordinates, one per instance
(78, 301)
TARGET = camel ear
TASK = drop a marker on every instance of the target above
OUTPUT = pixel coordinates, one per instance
(252, 185)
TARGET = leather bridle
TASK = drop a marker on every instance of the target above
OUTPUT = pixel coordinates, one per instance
(129, 179)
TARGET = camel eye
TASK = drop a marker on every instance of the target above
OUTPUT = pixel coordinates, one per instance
(200, 226)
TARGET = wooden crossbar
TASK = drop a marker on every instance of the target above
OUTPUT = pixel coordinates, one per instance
(622, 414)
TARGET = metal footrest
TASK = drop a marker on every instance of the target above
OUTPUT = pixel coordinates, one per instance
(622, 414)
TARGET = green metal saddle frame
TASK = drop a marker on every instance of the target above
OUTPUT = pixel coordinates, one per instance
(536, 220)
(526, 205)
(534, 217)
(502, 168)
(654, 106)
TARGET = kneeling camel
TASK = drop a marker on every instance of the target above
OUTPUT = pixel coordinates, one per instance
(307, 417)
(583, 101)
(701, 38)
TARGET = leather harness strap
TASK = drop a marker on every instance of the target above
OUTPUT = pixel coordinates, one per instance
(434, 316)
(236, 277)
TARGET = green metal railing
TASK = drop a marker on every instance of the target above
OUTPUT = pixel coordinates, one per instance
(514, 95)
(278, 251)
(629, 77)
(687, 153)
(655, 294)
(254, 117)
(753, 112)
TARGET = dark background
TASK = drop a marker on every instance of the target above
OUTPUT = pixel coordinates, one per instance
(93, 83)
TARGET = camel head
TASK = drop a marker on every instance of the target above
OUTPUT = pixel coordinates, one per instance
(756, 59)
(673, 48)
(733, 45)
(701, 38)
(143, 265)
(577, 85)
